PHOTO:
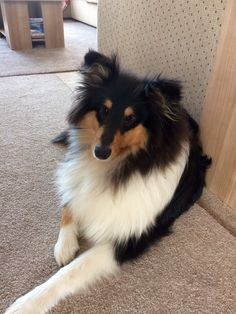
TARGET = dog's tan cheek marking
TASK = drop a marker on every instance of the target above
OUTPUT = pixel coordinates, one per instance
(128, 111)
(89, 121)
(66, 217)
(108, 103)
(89, 127)
(131, 140)
(98, 134)
(135, 138)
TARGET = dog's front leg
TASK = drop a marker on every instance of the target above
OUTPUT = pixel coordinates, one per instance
(67, 244)
(91, 266)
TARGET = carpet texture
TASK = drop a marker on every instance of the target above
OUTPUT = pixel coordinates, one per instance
(78, 39)
(191, 271)
(224, 214)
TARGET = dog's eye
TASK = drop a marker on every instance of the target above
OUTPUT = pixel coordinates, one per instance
(130, 120)
(104, 111)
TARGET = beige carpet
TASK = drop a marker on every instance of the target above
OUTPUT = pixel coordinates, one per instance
(224, 214)
(78, 39)
(191, 271)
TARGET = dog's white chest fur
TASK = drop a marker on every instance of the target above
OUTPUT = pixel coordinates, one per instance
(103, 215)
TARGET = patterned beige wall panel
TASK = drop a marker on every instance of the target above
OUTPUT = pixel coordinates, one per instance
(175, 37)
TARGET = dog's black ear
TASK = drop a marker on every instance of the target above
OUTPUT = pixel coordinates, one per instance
(163, 97)
(97, 68)
(171, 90)
(93, 56)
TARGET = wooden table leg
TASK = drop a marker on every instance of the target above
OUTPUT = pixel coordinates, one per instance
(16, 24)
(53, 24)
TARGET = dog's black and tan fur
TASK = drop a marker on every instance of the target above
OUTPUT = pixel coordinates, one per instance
(128, 137)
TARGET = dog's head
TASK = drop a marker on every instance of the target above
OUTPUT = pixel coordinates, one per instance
(118, 114)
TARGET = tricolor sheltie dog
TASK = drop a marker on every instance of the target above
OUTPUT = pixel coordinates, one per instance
(134, 165)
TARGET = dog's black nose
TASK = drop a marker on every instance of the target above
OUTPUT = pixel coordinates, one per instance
(102, 152)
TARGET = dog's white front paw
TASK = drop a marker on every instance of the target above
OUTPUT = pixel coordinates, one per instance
(17, 308)
(23, 306)
(66, 247)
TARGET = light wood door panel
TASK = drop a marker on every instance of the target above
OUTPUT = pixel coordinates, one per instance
(218, 120)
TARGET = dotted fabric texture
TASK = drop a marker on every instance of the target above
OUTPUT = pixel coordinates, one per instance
(177, 38)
